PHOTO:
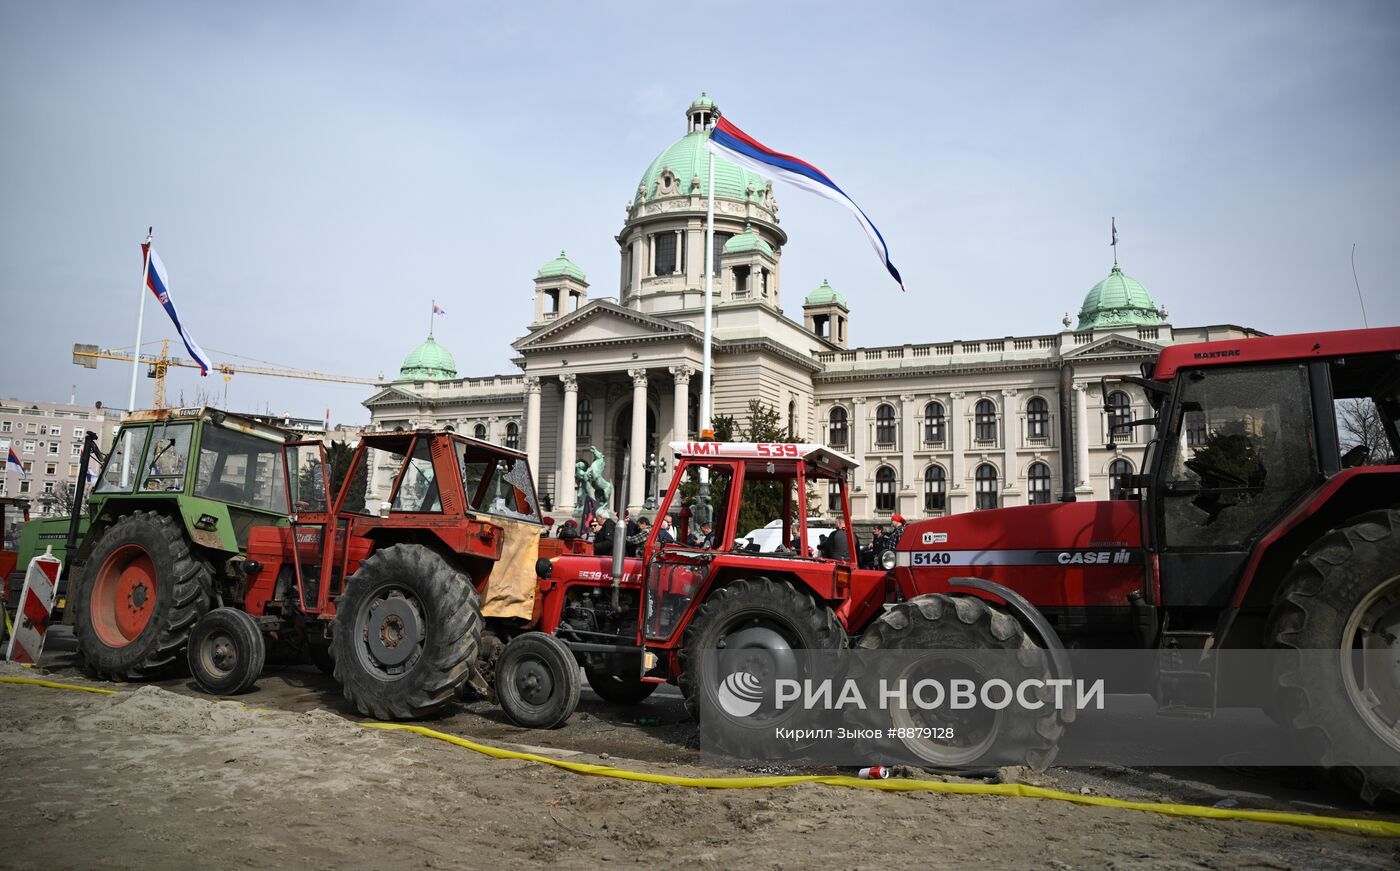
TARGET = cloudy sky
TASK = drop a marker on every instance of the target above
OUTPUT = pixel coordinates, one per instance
(318, 172)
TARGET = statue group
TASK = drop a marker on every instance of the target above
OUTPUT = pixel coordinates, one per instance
(592, 482)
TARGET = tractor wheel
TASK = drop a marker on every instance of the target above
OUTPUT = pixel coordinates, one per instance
(320, 656)
(226, 652)
(760, 614)
(616, 689)
(1343, 595)
(537, 681)
(140, 595)
(980, 738)
(406, 633)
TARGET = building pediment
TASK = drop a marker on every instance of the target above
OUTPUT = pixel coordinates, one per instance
(1114, 346)
(601, 322)
(391, 395)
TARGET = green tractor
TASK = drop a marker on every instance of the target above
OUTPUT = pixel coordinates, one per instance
(163, 536)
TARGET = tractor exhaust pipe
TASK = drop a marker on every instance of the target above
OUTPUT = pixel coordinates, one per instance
(1067, 470)
(619, 552)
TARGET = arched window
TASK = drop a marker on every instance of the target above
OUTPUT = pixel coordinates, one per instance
(884, 489)
(935, 489)
(1120, 482)
(479, 431)
(833, 495)
(986, 486)
(1037, 419)
(1120, 415)
(585, 418)
(884, 424)
(985, 418)
(933, 423)
(449, 428)
(836, 428)
(1038, 482)
(792, 418)
(513, 435)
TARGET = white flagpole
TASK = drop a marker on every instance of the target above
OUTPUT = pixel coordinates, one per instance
(709, 292)
(140, 318)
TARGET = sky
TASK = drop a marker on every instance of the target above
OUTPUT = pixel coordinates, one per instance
(317, 173)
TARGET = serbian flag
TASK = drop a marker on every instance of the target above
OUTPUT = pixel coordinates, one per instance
(734, 144)
(159, 283)
(439, 311)
(12, 462)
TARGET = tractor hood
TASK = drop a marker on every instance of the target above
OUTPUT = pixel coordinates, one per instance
(1067, 553)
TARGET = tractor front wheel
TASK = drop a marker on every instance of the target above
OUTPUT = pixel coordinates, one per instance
(537, 681)
(1343, 596)
(406, 634)
(226, 652)
(140, 595)
(943, 638)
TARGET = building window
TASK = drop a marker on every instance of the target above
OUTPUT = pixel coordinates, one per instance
(836, 428)
(584, 430)
(513, 436)
(741, 282)
(53, 447)
(479, 431)
(884, 424)
(985, 417)
(720, 240)
(1195, 428)
(935, 489)
(51, 468)
(833, 495)
(1038, 480)
(884, 489)
(5, 426)
(72, 470)
(48, 486)
(1120, 485)
(43, 429)
(77, 432)
(1038, 419)
(933, 423)
(29, 446)
(986, 487)
(76, 450)
(665, 253)
(24, 486)
(1120, 415)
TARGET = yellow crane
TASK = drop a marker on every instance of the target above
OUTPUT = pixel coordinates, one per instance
(157, 365)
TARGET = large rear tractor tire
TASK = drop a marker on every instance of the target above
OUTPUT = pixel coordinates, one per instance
(948, 626)
(407, 631)
(141, 593)
(771, 617)
(1343, 595)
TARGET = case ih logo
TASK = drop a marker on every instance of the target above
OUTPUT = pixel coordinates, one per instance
(1206, 355)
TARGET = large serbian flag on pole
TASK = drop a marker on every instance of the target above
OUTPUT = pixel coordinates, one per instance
(734, 144)
(159, 283)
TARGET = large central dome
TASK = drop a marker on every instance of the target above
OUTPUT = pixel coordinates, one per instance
(687, 159)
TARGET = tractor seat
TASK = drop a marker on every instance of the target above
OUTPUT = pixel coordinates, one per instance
(224, 492)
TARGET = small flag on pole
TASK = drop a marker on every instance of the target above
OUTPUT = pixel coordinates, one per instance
(734, 144)
(439, 311)
(159, 283)
(12, 463)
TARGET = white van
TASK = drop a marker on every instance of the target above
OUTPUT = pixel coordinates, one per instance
(770, 535)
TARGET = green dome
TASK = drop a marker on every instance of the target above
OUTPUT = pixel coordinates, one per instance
(562, 265)
(428, 362)
(1119, 300)
(826, 294)
(747, 240)
(688, 158)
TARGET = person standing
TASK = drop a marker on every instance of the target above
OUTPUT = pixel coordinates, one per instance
(667, 534)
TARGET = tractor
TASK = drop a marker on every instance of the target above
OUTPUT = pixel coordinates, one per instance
(1255, 527)
(163, 534)
(431, 574)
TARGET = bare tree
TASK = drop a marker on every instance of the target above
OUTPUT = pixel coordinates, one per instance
(1359, 425)
(60, 501)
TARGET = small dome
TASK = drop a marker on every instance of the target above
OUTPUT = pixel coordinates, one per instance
(825, 295)
(428, 362)
(703, 102)
(1118, 300)
(562, 265)
(748, 241)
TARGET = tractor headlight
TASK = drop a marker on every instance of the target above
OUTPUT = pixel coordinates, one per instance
(886, 559)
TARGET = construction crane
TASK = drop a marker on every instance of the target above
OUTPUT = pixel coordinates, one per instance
(158, 364)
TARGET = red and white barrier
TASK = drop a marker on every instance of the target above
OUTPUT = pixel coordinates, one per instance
(35, 604)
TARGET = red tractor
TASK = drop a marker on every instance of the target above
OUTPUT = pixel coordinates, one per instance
(1255, 526)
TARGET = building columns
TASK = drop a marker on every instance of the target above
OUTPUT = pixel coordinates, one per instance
(906, 440)
(532, 422)
(568, 447)
(680, 408)
(857, 426)
(636, 471)
(1010, 435)
(957, 442)
(1081, 438)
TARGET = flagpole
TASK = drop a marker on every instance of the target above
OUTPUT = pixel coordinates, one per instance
(705, 420)
(430, 319)
(140, 318)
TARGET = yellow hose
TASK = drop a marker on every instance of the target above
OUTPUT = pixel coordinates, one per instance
(1010, 790)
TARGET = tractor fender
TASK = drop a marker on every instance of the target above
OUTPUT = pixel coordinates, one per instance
(1029, 615)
